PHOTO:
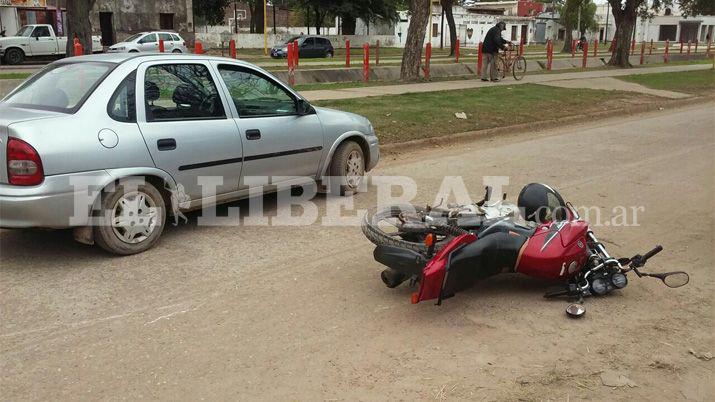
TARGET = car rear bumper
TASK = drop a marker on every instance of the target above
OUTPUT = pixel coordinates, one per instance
(61, 201)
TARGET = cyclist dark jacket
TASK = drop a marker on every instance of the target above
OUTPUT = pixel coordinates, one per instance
(493, 41)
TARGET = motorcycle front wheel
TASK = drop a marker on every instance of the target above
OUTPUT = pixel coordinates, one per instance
(404, 226)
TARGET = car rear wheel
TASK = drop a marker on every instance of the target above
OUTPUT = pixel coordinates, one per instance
(14, 56)
(131, 219)
(348, 165)
(176, 51)
(329, 54)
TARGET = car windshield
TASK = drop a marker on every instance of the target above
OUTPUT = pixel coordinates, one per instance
(133, 37)
(61, 88)
(25, 31)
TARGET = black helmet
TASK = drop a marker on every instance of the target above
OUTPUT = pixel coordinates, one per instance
(541, 203)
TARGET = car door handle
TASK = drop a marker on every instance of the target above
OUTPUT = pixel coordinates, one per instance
(166, 144)
(253, 134)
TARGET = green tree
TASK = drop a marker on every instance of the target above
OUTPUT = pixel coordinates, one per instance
(569, 17)
(209, 12)
(697, 7)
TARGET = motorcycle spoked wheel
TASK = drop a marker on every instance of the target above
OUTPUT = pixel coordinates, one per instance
(384, 226)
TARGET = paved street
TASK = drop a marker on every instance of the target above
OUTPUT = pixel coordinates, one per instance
(267, 313)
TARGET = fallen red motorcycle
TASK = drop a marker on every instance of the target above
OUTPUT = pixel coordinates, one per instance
(447, 250)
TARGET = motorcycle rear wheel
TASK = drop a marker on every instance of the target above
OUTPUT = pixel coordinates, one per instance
(412, 241)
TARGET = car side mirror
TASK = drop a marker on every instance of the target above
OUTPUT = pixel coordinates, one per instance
(303, 107)
(37, 38)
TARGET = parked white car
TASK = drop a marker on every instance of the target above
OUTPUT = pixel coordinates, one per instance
(36, 40)
(149, 42)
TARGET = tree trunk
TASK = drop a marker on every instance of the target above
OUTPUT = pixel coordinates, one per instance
(257, 17)
(447, 7)
(349, 25)
(568, 38)
(318, 20)
(625, 24)
(412, 56)
(78, 25)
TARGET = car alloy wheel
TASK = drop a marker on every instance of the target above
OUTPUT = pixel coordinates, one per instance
(134, 217)
(354, 169)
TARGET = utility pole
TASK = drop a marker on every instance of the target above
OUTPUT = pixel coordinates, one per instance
(608, 12)
(265, 27)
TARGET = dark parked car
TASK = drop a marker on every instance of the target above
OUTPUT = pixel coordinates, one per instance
(310, 46)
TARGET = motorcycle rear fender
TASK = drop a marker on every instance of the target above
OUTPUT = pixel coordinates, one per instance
(400, 259)
(433, 275)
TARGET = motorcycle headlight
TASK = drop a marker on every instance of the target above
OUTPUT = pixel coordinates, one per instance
(599, 286)
(619, 280)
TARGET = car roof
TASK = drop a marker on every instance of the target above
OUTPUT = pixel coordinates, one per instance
(120, 58)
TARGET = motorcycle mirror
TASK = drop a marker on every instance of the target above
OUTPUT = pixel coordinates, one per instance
(575, 310)
(674, 279)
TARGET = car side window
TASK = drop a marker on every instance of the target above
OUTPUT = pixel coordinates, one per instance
(255, 95)
(165, 37)
(309, 42)
(181, 92)
(151, 38)
(176, 38)
(122, 104)
(41, 32)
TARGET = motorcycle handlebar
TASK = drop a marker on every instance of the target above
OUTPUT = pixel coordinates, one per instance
(653, 252)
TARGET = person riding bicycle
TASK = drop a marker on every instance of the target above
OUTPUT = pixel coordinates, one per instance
(492, 43)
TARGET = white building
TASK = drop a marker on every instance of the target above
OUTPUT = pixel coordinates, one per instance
(472, 24)
(669, 24)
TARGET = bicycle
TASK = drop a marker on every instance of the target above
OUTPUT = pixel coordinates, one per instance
(510, 61)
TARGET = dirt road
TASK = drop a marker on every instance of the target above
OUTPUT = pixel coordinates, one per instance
(300, 313)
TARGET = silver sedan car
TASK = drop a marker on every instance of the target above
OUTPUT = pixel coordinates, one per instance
(149, 42)
(144, 130)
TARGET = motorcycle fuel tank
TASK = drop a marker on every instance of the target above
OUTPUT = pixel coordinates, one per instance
(557, 250)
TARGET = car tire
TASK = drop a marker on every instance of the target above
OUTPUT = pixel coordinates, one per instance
(133, 51)
(348, 165)
(14, 56)
(140, 209)
(329, 55)
(176, 51)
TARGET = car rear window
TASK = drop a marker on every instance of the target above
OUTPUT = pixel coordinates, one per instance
(60, 87)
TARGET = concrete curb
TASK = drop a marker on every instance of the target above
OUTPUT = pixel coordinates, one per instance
(451, 139)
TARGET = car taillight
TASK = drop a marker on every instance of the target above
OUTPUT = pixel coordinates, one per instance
(24, 166)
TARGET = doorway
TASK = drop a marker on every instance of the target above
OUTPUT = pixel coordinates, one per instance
(105, 25)
(523, 33)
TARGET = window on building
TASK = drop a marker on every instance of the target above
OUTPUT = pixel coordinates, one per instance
(667, 32)
(435, 30)
(166, 21)
(513, 32)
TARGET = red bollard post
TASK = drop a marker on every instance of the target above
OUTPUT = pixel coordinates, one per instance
(585, 55)
(347, 53)
(296, 53)
(688, 49)
(521, 47)
(642, 52)
(289, 57)
(428, 56)
(681, 47)
(78, 50)
(232, 48)
(198, 48)
(161, 45)
(650, 49)
(377, 53)
(456, 51)
(366, 62)
(667, 50)
(613, 46)
(595, 48)
(479, 58)
(573, 48)
(549, 54)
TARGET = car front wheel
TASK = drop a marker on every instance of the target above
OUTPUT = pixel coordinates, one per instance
(131, 219)
(348, 165)
(14, 56)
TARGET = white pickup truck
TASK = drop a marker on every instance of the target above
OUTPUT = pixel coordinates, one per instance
(36, 40)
